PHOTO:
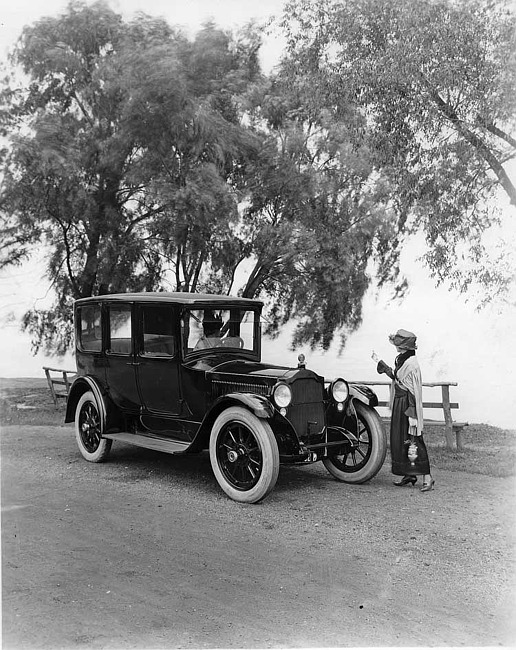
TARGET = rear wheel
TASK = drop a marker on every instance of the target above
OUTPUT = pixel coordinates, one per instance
(88, 430)
(244, 455)
(364, 461)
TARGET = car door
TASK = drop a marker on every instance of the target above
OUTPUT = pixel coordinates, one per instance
(158, 359)
(120, 360)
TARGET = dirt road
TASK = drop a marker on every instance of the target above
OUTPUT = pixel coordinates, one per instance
(145, 551)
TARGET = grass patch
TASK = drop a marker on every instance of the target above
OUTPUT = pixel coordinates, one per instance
(19, 406)
(487, 450)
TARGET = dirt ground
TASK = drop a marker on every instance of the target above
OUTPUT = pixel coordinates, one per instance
(145, 551)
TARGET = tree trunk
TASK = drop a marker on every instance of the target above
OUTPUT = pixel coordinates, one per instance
(89, 273)
(481, 147)
(256, 277)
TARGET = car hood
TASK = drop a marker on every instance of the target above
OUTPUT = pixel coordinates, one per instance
(220, 366)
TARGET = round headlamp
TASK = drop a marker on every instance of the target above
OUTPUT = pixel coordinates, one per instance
(339, 390)
(282, 395)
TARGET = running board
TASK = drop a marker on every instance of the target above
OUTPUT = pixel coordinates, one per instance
(150, 442)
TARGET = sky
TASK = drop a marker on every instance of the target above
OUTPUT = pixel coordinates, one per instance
(477, 349)
(190, 14)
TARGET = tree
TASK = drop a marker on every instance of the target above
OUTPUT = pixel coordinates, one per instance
(314, 218)
(145, 160)
(120, 157)
(435, 82)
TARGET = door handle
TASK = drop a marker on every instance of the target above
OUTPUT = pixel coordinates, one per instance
(132, 363)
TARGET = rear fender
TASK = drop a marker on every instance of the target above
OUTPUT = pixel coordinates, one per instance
(80, 386)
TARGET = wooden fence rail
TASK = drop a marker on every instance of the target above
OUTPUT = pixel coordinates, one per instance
(60, 385)
(445, 405)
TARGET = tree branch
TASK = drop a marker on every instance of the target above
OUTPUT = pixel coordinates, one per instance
(476, 142)
(65, 228)
(197, 271)
(489, 126)
(143, 217)
(260, 272)
(88, 117)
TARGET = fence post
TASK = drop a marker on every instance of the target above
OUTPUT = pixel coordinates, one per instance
(66, 382)
(51, 385)
(448, 432)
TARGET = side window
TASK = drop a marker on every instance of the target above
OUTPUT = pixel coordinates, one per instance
(120, 329)
(158, 331)
(90, 330)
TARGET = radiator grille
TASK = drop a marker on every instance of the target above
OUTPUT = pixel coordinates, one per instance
(224, 387)
(306, 412)
(307, 391)
(307, 420)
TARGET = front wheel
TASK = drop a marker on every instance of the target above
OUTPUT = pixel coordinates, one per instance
(363, 462)
(244, 455)
(88, 430)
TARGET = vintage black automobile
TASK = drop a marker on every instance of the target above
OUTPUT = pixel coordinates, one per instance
(181, 373)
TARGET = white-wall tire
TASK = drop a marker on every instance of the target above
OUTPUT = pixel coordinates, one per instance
(89, 430)
(244, 455)
(365, 461)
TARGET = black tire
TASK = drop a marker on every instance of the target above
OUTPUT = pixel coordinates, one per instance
(244, 455)
(364, 462)
(88, 430)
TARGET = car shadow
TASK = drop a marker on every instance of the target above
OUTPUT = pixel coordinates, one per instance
(191, 470)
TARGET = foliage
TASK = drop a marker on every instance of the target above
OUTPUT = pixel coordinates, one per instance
(125, 149)
(313, 216)
(145, 160)
(435, 82)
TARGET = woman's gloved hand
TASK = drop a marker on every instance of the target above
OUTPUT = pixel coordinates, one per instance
(382, 367)
(412, 422)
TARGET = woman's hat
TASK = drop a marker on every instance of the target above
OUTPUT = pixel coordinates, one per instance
(403, 339)
(211, 323)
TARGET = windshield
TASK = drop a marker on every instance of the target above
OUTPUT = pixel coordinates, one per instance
(232, 328)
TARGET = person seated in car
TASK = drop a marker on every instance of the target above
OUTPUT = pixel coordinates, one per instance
(210, 338)
(230, 336)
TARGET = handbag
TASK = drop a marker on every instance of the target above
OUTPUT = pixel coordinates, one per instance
(412, 452)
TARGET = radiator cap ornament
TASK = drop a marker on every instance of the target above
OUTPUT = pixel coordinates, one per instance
(301, 359)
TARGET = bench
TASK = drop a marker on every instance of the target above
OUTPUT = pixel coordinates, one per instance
(450, 427)
(60, 385)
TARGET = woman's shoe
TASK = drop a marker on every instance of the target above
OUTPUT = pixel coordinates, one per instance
(406, 480)
(428, 486)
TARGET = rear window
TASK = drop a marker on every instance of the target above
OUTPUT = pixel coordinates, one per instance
(120, 329)
(90, 329)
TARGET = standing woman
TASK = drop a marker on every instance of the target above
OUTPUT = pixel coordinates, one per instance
(407, 412)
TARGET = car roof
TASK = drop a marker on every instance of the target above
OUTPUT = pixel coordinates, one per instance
(178, 297)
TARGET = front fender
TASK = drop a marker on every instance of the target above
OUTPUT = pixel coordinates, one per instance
(363, 394)
(258, 404)
(348, 418)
